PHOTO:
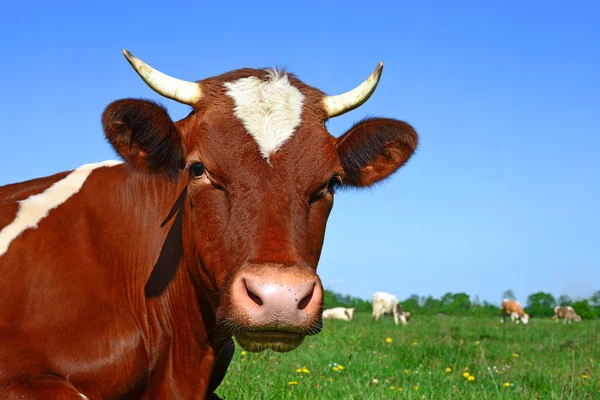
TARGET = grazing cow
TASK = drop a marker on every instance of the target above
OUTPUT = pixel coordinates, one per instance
(514, 309)
(345, 314)
(566, 313)
(386, 303)
(128, 280)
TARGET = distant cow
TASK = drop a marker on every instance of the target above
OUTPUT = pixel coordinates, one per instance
(514, 309)
(566, 313)
(386, 303)
(345, 314)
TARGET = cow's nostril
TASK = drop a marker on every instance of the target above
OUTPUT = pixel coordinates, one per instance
(255, 298)
(306, 300)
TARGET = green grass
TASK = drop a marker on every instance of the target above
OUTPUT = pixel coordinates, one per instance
(541, 360)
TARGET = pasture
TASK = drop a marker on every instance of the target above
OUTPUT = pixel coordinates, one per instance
(431, 358)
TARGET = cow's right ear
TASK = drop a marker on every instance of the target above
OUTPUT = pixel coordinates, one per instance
(144, 135)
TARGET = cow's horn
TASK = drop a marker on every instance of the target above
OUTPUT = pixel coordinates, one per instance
(342, 103)
(182, 91)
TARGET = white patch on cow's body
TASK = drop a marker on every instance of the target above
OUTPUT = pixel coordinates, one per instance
(37, 207)
(270, 110)
(83, 396)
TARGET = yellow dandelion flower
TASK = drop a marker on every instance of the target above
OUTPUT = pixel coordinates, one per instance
(305, 370)
(477, 343)
(388, 340)
(392, 387)
(471, 378)
(340, 367)
(592, 360)
(416, 387)
(292, 383)
(585, 376)
(506, 384)
(448, 369)
(336, 368)
(400, 389)
(299, 370)
(244, 353)
(406, 371)
(466, 374)
(415, 343)
(466, 368)
(515, 355)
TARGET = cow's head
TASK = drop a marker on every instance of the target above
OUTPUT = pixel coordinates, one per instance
(261, 172)
(349, 313)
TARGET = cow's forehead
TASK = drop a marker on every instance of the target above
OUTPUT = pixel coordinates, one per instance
(270, 104)
(270, 109)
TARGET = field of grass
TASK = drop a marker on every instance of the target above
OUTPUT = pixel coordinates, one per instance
(431, 358)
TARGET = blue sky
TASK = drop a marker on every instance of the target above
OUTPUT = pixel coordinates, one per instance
(503, 191)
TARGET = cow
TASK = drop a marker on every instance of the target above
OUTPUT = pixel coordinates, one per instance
(387, 303)
(129, 279)
(342, 313)
(514, 309)
(566, 313)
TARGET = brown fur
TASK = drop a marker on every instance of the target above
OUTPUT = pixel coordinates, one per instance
(374, 148)
(117, 291)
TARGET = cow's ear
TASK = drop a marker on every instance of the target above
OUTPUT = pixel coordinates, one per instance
(144, 135)
(375, 148)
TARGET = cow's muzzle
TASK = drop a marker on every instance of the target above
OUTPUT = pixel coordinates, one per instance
(271, 306)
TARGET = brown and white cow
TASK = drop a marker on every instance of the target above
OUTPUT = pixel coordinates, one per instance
(514, 309)
(128, 280)
(341, 313)
(566, 313)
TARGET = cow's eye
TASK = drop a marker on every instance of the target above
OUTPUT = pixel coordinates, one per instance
(334, 181)
(197, 170)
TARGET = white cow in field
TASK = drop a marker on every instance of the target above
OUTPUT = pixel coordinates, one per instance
(386, 303)
(567, 314)
(345, 314)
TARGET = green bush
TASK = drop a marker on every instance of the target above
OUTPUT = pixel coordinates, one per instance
(582, 307)
(540, 304)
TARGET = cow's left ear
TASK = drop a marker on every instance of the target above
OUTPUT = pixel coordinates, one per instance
(375, 148)
(142, 132)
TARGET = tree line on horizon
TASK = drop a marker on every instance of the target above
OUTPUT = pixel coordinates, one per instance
(539, 304)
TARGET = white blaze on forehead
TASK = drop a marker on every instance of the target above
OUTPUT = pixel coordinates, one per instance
(35, 208)
(269, 110)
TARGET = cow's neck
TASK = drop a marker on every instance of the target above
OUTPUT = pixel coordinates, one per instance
(174, 294)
